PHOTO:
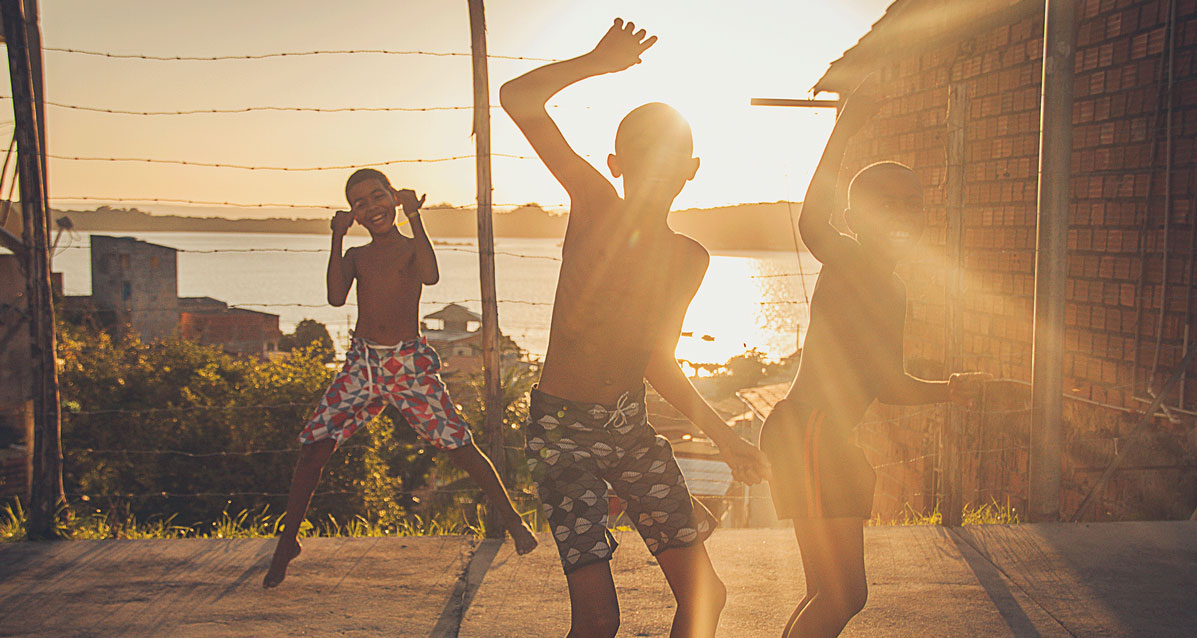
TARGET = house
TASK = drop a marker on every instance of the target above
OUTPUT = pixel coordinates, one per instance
(236, 330)
(971, 71)
(137, 282)
(16, 391)
(456, 333)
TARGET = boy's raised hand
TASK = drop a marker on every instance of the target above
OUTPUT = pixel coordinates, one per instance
(407, 199)
(341, 221)
(621, 47)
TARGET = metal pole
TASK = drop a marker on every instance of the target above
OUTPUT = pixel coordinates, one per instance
(493, 403)
(1047, 359)
(46, 491)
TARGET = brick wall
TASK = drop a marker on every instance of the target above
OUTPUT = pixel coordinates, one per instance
(1116, 271)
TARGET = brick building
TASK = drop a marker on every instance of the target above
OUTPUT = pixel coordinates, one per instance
(236, 330)
(138, 282)
(962, 81)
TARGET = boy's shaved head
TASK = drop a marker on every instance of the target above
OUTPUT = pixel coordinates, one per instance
(363, 174)
(654, 125)
(881, 176)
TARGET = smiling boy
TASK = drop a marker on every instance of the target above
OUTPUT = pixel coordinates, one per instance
(388, 361)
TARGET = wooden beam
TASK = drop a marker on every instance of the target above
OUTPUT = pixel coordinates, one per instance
(492, 402)
(818, 104)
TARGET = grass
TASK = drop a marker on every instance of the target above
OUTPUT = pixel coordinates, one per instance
(991, 513)
(262, 523)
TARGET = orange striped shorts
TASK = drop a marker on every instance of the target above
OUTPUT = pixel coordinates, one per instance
(818, 472)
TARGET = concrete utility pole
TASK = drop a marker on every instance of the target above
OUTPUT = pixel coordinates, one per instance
(1055, 157)
(951, 485)
(46, 489)
(493, 401)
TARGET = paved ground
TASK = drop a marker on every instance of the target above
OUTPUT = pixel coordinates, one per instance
(1112, 579)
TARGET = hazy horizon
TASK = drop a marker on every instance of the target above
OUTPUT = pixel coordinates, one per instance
(708, 63)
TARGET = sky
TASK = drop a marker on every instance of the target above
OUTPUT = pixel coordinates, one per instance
(711, 58)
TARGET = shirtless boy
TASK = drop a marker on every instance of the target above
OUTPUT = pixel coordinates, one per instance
(388, 361)
(625, 283)
(852, 355)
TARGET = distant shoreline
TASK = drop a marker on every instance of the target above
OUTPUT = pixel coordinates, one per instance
(741, 227)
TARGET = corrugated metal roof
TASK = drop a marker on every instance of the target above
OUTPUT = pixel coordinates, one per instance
(909, 27)
(762, 399)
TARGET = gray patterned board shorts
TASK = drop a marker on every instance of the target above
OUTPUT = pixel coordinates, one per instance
(575, 449)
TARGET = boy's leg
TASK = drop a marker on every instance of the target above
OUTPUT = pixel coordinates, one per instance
(812, 586)
(699, 593)
(312, 458)
(593, 607)
(469, 458)
(833, 552)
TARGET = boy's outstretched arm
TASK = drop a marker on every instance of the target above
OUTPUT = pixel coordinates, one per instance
(340, 266)
(814, 223)
(748, 464)
(525, 97)
(424, 258)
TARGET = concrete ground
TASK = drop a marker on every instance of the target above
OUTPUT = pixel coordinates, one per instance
(1110, 579)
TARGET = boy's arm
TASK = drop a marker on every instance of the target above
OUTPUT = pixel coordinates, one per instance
(525, 97)
(814, 222)
(340, 266)
(963, 388)
(748, 464)
(424, 258)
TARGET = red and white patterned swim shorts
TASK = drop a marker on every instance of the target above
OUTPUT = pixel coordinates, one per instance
(405, 375)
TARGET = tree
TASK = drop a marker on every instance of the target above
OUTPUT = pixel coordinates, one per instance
(177, 428)
(309, 332)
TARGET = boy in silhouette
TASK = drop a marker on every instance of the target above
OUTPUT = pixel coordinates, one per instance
(852, 355)
(625, 283)
(388, 361)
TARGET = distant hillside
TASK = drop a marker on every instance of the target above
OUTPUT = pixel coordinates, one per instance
(741, 227)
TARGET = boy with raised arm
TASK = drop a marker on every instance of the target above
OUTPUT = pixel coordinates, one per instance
(388, 361)
(625, 283)
(852, 355)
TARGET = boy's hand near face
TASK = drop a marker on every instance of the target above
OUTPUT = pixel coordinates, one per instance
(341, 222)
(966, 388)
(407, 199)
(621, 47)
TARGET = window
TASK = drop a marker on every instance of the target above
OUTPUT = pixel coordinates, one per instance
(124, 261)
(126, 288)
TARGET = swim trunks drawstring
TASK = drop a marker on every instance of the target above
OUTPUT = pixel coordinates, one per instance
(624, 409)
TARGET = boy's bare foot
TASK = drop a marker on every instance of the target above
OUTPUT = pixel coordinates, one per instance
(525, 541)
(284, 552)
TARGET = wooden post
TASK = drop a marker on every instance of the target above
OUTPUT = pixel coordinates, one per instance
(953, 426)
(1051, 260)
(46, 490)
(493, 403)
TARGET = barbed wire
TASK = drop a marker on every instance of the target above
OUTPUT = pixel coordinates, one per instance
(146, 160)
(174, 200)
(285, 54)
(268, 108)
